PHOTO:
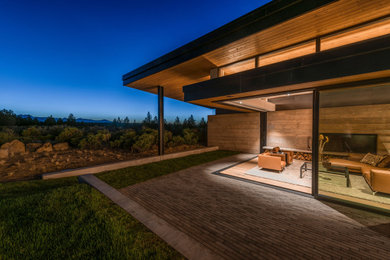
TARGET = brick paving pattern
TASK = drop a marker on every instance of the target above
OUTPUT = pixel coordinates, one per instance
(240, 220)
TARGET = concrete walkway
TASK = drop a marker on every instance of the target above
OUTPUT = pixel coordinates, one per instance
(239, 220)
(123, 164)
(182, 242)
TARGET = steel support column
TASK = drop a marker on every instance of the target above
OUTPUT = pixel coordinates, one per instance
(160, 120)
(315, 135)
(263, 131)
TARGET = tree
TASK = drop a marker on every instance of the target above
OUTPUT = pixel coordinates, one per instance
(35, 121)
(203, 131)
(176, 126)
(148, 118)
(126, 121)
(60, 121)
(50, 121)
(191, 122)
(7, 118)
(202, 123)
(71, 120)
(119, 120)
(155, 122)
(177, 121)
(185, 123)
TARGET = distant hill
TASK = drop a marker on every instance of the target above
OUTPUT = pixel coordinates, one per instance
(78, 120)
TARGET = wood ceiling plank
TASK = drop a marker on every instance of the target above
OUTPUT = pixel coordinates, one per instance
(330, 18)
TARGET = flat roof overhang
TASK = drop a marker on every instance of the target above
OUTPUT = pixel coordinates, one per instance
(362, 61)
(261, 18)
(274, 26)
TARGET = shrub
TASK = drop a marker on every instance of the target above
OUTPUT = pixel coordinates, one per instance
(125, 141)
(72, 135)
(7, 135)
(97, 141)
(32, 134)
(177, 140)
(144, 142)
(167, 137)
(190, 136)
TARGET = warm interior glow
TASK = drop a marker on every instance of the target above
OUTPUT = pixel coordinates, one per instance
(256, 104)
(362, 33)
(262, 104)
(237, 67)
(287, 54)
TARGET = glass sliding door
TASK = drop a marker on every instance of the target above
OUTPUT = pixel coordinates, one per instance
(354, 145)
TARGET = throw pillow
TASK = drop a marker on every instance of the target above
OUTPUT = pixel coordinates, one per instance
(385, 163)
(371, 159)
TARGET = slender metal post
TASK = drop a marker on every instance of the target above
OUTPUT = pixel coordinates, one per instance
(160, 120)
(315, 155)
(263, 131)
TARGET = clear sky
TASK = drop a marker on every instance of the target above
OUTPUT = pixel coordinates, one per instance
(68, 56)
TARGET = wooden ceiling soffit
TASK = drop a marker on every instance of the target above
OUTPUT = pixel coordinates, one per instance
(360, 58)
(264, 17)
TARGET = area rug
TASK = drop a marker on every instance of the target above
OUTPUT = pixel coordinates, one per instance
(289, 175)
(359, 188)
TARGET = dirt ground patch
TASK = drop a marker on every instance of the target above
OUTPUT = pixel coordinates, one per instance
(33, 165)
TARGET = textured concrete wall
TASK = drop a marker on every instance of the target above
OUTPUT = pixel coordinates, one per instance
(290, 128)
(237, 132)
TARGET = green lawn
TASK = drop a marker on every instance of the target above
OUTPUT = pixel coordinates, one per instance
(60, 219)
(136, 174)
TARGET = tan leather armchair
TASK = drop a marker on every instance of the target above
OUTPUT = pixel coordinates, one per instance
(268, 161)
(379, 180)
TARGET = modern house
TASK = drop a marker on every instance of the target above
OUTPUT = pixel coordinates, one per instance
(302, 84)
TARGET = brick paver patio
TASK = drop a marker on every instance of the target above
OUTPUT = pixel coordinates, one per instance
(239, 220)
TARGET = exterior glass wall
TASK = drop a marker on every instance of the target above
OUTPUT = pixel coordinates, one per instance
(354, 145)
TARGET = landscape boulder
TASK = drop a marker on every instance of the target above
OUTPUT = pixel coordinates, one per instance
(61, 147)
(47, 147)
(14, 147)
(32, 147)
(3, 153)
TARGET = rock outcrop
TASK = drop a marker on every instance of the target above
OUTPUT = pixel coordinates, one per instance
(3, 153)
(61, 147)
(12, 148)
(47, 147)
(32, 147)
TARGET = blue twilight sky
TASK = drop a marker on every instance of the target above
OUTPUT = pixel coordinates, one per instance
(68, 56)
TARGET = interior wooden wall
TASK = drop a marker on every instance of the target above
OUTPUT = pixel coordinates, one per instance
(236, 132)
(293, 128)
(290, 128)
(368, 119)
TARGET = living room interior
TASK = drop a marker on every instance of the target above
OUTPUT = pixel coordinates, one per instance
(286, 158)
(354, 143)
(354, 126)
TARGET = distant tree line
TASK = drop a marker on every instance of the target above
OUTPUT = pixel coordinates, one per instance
(9, 118)
(119, 134)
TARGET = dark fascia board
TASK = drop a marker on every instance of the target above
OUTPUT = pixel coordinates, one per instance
(359, 58)
(263, 17)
